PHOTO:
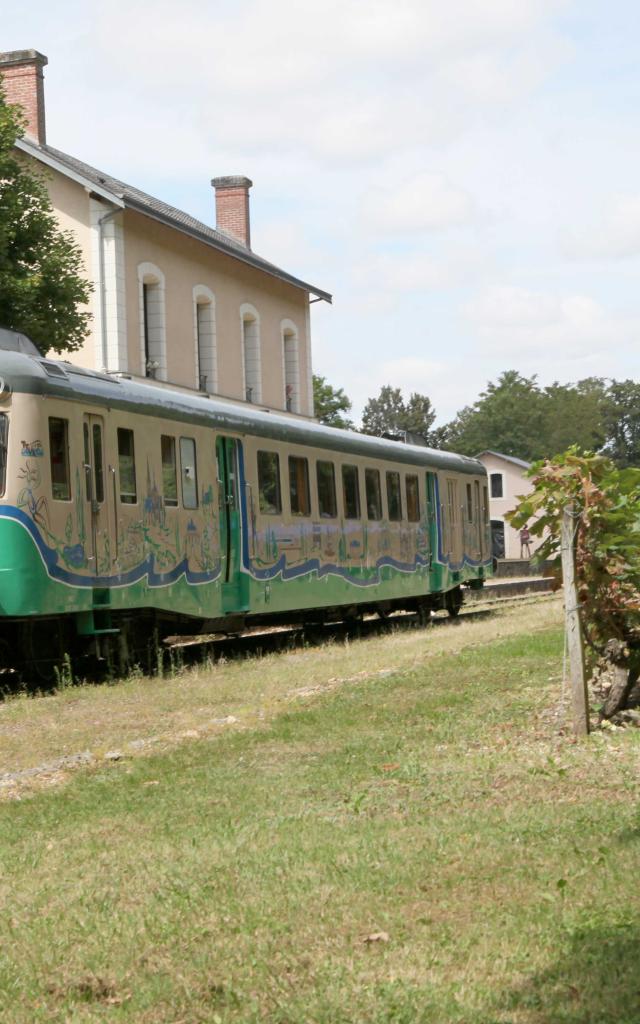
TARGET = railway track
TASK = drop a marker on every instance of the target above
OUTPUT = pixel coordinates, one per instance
(268, 639)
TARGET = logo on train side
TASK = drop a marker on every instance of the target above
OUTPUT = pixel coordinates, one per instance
(33, 449)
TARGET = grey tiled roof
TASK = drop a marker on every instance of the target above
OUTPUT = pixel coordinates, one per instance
(507, 458)
(133, 198)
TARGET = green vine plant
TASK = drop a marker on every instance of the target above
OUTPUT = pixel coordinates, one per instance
(605, 504)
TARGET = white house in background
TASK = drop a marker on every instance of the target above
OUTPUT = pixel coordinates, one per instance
(507, 483)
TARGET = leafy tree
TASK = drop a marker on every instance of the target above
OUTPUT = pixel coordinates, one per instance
(508, 417)
(574, 414)
(605, 504)
(622, 422)
(517, 417)
(41, 281)
(330, 404)
(390, 414)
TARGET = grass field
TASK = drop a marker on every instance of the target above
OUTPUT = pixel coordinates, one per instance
(390, 831)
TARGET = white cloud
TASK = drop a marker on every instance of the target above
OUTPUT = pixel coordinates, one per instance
(616, 236)
(518, 323)
(422, 203)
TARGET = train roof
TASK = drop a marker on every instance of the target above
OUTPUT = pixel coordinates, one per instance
(30, 374)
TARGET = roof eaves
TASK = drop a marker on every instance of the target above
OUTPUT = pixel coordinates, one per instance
(245, 256)
(125, 200)
(57, 165)
(507, 458)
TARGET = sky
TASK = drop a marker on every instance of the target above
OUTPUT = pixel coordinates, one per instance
(462, 176)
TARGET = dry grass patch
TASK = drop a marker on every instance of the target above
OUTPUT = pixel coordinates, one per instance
(140, 715)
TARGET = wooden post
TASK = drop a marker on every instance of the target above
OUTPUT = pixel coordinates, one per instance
(573, 629)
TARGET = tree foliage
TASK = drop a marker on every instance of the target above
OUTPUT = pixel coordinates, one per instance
(41, 282)
(390, 414)
(516, 416)
(605, 503)
(331, 404)
(622, 423)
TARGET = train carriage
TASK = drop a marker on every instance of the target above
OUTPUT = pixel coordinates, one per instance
(128, 506)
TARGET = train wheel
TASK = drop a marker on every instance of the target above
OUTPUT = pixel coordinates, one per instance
(424, 615)
(453, 602)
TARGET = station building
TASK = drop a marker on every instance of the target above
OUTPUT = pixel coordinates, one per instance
(175, 299)
(508, 482)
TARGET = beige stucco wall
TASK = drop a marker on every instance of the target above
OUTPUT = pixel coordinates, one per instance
(70, 202)
(514, 484)
(185, 263)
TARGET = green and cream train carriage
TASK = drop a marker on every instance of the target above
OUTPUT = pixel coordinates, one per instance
(129, 506)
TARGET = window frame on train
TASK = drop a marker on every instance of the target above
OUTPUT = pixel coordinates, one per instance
(394, 495)
(4, 447)
(167, 467)
(63, 449)
(373, 497)
(266, 460)
(330, 510)
(299, 474)
(351, 508)
(189, 472)
(127, 497)
(412, 501)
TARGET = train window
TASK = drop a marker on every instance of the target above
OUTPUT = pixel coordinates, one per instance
(59, 455)
(169, 470)
(327, 505)
(486, 505)
(4, 434)
(87, 460)
(98, 474)
(469, 504)
(189, 472)
(299, 486)
(413, 499)
(351, 492)
(394, 497)
(269, 483)
(374, 496)
(496, 485)
(127, 467)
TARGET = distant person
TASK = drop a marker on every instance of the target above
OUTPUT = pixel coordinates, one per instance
(525, 543)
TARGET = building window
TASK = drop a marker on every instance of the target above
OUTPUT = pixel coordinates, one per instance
(204, 325)
(496, 485)
(413, 498)
(169, 470)
(374, 495)
(189, 472)
(351, 492)
(153, 331)
(291, 366)
(251, 353)
(299, 486)
(127, 467)
(326, 490)
(59, 456)
(269, 483)
(394, 498)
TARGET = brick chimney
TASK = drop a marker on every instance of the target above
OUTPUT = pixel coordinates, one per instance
(23, 83)
(232, 207)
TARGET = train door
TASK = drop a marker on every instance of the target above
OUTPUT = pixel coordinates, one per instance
(229, 501)
(95, 495)
(432, 517)
(479, 520)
